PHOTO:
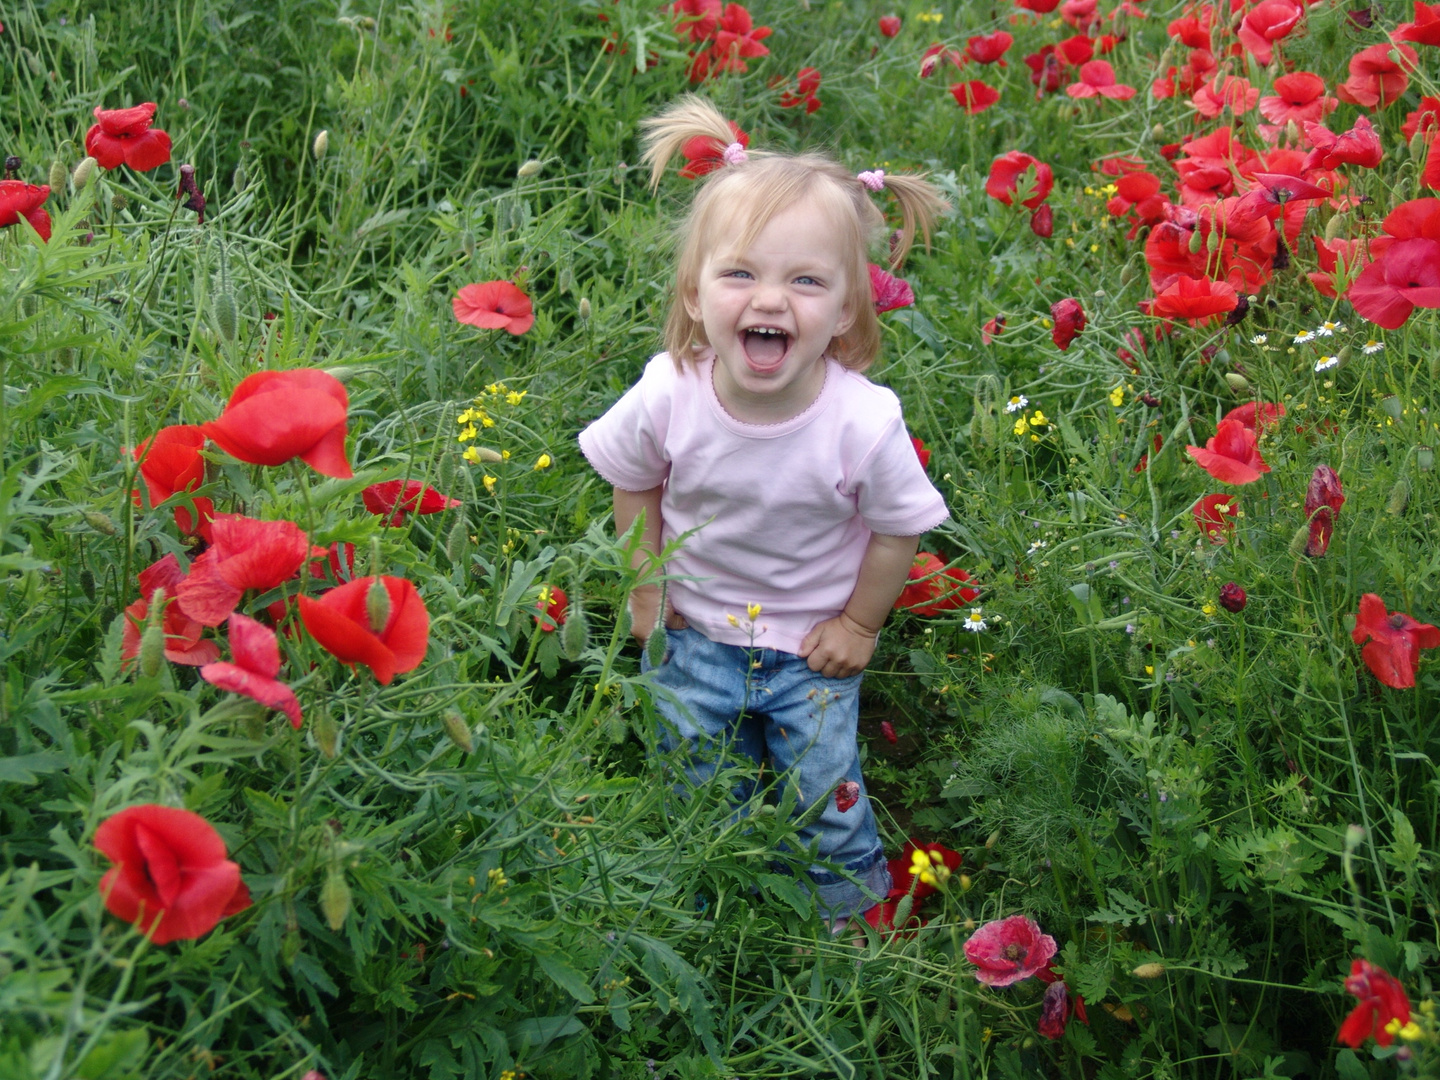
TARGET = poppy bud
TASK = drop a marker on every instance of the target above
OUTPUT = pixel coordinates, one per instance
(655, 646)
(529, 169)
(1150, 400)
(377, 605)
(1232, 597)
(1152, 970)
(1237, 382)
(903, 908)
(1300, 540)
(584, 308)
(1195, 243)
(1399, 496)
(1332, 227)
(101, 523)
(321, 144)
(327, 734)
(575, 634)
(238, 178)
(459, 731)
(1042, 221)
(87, 583)
(227, 314)
(992, 839)
(152, 650)
(1425, 458)
(1157, 132)
(84, 172)
(1418, 143)
(457, 544)
(58, 175)
(335, 899)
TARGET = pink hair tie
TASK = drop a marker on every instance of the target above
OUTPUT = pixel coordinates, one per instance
(734, 154)
(875, 181)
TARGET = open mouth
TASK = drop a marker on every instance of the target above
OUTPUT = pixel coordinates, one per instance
(765, 347)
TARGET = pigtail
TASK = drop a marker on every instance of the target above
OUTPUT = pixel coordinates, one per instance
(920, 204)
(690, 119)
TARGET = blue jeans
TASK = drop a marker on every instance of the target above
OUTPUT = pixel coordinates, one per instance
(718, 697)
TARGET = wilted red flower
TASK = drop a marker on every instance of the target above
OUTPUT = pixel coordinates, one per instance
(1230, 455)
(1215, 517)
(1258, 416)
(1299, 96)
(1392, 654)
(847, 794)
(274, 416)
(1382, 998)
(937, 54)
(1406, 271)
(171, 878)
(1232, 597)
(244, 554)
(494, 305)
(889, 25)
(931, 588)
(887, 291)
(552, 606)
(989, 48)
(1375, 79)
(255, 661)
(21, 200)
(339, 620)
(1042, 221)
(1097, 79)
(393, 499)
(125, 137)
(974, 96)
(1005, 173)
(1266, 23)
(183, 644)
(1198, 300)
(887, 731)
(1046, 68)
(992, 329)
(1323, 499)
(921, 451)
(1008, 950)
(807, 85)
(1425, 30)
(1358, 146)
(1054, 1011)
(1069, 319)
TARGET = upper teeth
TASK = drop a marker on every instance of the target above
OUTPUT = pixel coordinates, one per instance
(767, 330)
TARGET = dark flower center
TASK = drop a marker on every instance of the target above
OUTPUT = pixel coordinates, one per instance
(1013, 952)
(1397, 620)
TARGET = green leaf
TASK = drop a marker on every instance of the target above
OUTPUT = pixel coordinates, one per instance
(26, 768)
(566, 977)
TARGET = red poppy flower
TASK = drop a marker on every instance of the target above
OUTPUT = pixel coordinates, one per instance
(1393, 651)
(989, 48)
(1076, 50)
(1192, 31)
(974, 96)
(1358, 146)
(335, 564)
(903, 883)
(889, 25)
(1040, 7)
(1266, 23)
(1054, 1011)
(1323, 499)
(737, 39)
(1424, 118)
(992, 329)
(1198, 300)
(1069, 320)
(19, 199)
(1274, 190)
(170, 462)
(1008, 950)
(887, 731)
(274, 416)
(244, 554)
(847, 794)
(937, 54)
(1232, 597)
(1257, 415)
(1097, 79)
(1080, 13)
(1404, 277)
(255, 661)
(1045, 67)
(1425, 30)
(1005, 173)
(1382, 998)
(171, 877)
(1215, 517)
(697, 19)
(494, 305)
(1299, 96)
(1376, 80)
(704, 155)
(393, 499)
(125, 137)
(339, 620)
(807, 84)
(931, 588)
(183, 643)
(887, 291)
(1230, 455)
(1042, 221)
(1230, 92)
(921, 451)
(552, 606)
(1331, 256)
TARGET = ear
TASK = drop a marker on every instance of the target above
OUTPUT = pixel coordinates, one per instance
(847, 320)
(691, 300)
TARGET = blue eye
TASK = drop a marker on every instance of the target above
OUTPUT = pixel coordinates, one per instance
(806, 280)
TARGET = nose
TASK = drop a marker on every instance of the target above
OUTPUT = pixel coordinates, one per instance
(768, 297)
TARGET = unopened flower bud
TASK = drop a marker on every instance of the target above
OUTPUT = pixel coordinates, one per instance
(992, 839)
(1419, 141)
(327, 734)
(1195, 243)
(227, 314)
(1300, 540)
(335, 899)
(529, 169)
(584, 308)
(458, 731)
(965, 883)
(1157, 132)
(377, 605)
(575, 634)
(1332, 227)
(655, 646)
(152, 651)
(238, 178)
(457, 544)
(1399, 497)
(1152, 970)
(84, 173)
(101, 523)
(903, 907)
(58, 175)
(321, 144)
(1237, 382)
(1232, 597)
(1425, 458)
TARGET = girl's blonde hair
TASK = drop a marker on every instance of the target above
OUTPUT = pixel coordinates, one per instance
(736, 201)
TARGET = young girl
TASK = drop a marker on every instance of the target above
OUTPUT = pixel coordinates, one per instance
(790, 474)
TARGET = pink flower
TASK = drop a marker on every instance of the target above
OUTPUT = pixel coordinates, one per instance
(1097, 79)
(494, 305)
(255, 661)
(1008, 950)
(888, 292)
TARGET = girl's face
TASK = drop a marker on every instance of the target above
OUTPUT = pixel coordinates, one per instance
(771, 312)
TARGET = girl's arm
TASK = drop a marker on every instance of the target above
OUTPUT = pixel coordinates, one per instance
(842, 646)
(645, 599)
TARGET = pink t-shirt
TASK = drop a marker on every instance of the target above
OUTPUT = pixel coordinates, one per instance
(779, 514)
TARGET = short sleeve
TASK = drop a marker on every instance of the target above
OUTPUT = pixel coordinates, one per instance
(626, 445)
(894, 496)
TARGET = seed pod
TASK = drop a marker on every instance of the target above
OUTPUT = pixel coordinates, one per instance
(227, 314)
(655, 647)
(1157, 132)
(484, 453)
(321, 144)
(584, 308)
(1418, 142)
(1237, 382)
(377, 605)
(565, 281)
(87, 583)
(1399, 496)
(58, 175)
(1390, 405)
(119, 201)
(238, 178)
(529, 169)
(1152, 970)
(467, 243)
(335, 899)
(575, 634)
(152, 650)
(992, 839)
(1300, 540)
(84, 173)
(101, 523)
(1425, 458)
(457, 544)
(327, 734)
(459, 731)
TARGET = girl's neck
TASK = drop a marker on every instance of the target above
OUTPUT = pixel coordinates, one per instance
(766, 409)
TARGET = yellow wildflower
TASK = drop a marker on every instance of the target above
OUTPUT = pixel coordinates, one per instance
(1021, 426)
(466, 434)
(1038, 419)
(514, 397)
(753, 610)
(472, 455)
(543, 463)
(731, 619)
(929, 867)
(1117, 396)
(489, 482)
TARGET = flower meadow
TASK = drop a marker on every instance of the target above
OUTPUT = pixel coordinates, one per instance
(324, 750)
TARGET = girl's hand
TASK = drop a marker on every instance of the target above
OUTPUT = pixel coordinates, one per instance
(838, 648)
(644, 603)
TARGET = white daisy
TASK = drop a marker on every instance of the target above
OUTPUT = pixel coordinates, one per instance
(975, 621)
(1304, 336)
(1016, 403)
(1036, 545)
(1325, 363)
(1325, 329)
(1371, 347)
(1259, 339)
